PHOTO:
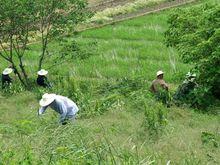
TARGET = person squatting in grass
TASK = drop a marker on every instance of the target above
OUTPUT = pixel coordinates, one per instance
(184, 91)
(62, 105)
(160, 88)
(42, 79)
(6, 79)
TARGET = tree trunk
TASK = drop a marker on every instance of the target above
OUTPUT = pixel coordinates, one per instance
(18, 74)
(44, 48)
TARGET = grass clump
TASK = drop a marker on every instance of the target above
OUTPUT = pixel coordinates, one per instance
(156, 119)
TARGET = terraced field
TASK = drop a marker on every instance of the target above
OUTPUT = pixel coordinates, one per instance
(111, 88)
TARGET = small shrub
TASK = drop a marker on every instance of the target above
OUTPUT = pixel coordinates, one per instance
(210, 139)
(155, 119)
(12, 89)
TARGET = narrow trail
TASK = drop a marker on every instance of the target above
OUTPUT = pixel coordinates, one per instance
(107, 4)
(142, 12)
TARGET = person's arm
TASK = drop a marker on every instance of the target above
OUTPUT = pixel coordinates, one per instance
(164, 85)
(152, 87)
(47, 83)
(42, 110)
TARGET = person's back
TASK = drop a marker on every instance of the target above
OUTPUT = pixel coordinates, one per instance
(185, 88)
(42, 79)
(6, 79)
(62, 105)
(158, 83)
(71, 107)
(160, 89)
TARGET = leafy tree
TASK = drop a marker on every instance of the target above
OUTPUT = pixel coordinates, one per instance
(16, 22)
(22, 19)
(56, 18)
(195, 33)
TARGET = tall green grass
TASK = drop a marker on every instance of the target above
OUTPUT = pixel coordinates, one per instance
(115, 122)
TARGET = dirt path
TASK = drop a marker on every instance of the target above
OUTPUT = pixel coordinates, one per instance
(147, 10)
(142, 12)
(108, 4)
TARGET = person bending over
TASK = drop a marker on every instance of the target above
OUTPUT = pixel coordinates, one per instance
(62, 105)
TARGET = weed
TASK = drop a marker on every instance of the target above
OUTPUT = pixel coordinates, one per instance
(155, 120)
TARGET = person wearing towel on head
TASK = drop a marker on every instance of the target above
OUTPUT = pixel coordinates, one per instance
(42, 79)
(6, 79)
(62, 105)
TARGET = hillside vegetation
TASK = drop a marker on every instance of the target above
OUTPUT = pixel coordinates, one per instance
(119, 121)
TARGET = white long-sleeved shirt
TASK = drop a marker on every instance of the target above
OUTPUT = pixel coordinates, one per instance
(62, 105)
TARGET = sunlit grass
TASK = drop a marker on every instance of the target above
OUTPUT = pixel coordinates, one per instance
(133, 49)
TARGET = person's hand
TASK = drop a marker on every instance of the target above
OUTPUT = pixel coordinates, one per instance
(64, 123)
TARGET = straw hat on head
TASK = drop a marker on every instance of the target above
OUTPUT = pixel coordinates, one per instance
(160, 72)
(47, 99)
(42, 72)
(7, 71)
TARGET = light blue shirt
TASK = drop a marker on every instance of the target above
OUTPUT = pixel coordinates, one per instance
(62, 105)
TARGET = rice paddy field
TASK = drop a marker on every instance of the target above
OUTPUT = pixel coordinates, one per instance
(111, 88)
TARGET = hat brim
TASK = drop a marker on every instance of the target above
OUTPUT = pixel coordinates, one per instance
(8, 71)
(160, 74)
(44, 103)
(42, 73)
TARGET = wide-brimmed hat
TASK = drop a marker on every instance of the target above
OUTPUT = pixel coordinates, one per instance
(47, 99)
(7, 71)
(42, 72)
(160, 72)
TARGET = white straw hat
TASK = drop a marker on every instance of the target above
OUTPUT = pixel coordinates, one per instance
(159, 72)
(47, 99)
(7, 71)
(42, 72)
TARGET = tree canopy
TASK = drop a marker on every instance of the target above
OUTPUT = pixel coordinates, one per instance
(45, 20)
(195, 33)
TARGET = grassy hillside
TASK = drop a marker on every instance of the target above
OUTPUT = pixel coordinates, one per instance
(111, 88)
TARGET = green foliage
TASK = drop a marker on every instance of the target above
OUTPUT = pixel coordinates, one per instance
(12, 89)
(16, 21)
(124, 86)
(57, 18)
(43, 20)
(195, 33)
(210, 139)
(155, 119)
(131, 49)
(70, 51)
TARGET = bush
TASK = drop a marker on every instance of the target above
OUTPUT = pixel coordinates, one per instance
(155, 120)
(195, 33)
